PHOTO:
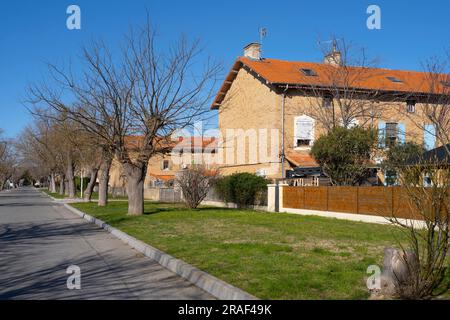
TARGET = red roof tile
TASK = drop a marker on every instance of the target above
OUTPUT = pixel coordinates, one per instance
(135, 142)
(301, 159)
(280, 72)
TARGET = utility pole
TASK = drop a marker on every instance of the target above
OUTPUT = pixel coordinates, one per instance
(283, 155)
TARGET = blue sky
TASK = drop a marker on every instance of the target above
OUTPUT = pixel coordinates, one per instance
(34, 32)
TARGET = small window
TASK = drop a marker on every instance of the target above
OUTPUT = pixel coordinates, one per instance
(308, 72)
(446, 83)
(327, 102)
(394, 79)
(411, 106)
(303, 143)
(165, 165)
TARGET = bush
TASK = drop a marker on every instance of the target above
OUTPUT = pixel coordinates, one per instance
(78, 183)
(195, 183)
(241, 188)
(344, 154)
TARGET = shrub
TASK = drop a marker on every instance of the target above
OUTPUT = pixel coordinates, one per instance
(78, 183)
(241, 188)
(344, 154)
(195, 183)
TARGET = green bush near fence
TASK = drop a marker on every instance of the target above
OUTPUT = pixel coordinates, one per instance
(242, 189)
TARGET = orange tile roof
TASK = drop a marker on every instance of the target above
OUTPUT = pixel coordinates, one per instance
(135, 142)
(163, 177)
(301, 159)
(280, 72)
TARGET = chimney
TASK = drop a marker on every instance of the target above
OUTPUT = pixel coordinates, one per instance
(334, 57)
(253, 51)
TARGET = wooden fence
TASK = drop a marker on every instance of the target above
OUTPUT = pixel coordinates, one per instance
(377, 201)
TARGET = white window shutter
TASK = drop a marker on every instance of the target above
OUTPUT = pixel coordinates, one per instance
(304, 128)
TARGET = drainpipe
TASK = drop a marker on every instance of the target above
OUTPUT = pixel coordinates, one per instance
(283, 156)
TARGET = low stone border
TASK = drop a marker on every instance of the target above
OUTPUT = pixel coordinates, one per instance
(352, 217)
(214, 286)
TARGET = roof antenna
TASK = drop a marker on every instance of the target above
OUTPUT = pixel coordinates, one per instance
(334, 43)
(262, 35)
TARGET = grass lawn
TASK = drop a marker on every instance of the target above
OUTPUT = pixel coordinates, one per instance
(78, 195)
(270, 255)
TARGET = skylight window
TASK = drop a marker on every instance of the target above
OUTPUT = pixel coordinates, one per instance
(394, 79)
(308, 72)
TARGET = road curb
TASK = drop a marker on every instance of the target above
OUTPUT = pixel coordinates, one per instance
(214, 286)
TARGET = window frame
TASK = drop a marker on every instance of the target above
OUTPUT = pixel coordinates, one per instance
(164, 168)
(391, 139)
(411, 103)
(308, 72)
(327, 102)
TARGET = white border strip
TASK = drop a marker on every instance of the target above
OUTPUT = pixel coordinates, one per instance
(214, 286)
(351, 216)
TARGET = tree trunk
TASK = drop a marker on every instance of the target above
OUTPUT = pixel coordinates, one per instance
(71, 190)
(135, 187)
(90, 187)
(52, 183)
(105, 166)
(61, 185)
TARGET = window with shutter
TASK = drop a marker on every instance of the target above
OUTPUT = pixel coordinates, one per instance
(304, 131)
(391, 133)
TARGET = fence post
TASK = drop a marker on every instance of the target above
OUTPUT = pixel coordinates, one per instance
(280, 196)
(272, 196)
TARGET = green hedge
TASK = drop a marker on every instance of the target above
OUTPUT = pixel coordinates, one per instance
(242, 189)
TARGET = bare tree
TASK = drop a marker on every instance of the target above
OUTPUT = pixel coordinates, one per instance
(7, 161)
(53, 145)
(425, 253)
(134, 104)
(195, 182)
(167, 94)
(36, 147)
(97, 108)
(433, 114)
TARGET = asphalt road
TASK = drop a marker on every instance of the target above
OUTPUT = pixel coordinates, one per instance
(40, 239)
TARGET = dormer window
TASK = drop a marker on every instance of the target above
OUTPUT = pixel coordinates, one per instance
(394, 79)
(308, 72)
(411, 106)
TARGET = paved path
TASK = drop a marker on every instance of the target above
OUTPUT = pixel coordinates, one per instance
(39, 239)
